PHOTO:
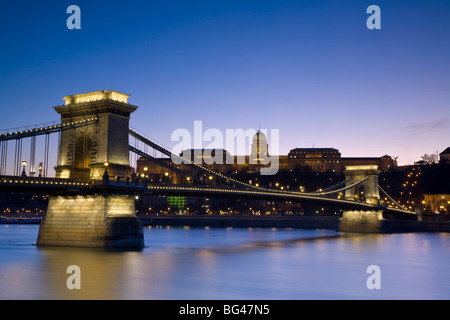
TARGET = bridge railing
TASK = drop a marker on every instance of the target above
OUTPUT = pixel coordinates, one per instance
(46, 129)
(29, 127)
(40, 181)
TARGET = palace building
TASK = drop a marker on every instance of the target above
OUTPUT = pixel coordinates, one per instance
(221, 161)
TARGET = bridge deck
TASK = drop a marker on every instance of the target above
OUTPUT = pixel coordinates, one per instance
(30, 184)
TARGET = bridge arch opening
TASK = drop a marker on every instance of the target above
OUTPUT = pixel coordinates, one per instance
(82, 158)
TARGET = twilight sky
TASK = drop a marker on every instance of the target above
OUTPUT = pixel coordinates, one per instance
(311, 69)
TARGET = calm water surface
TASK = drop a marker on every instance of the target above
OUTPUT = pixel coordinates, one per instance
(190, 263)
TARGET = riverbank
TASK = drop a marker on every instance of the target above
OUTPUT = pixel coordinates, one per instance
(236, 221)
(294, 222)
(21, 220)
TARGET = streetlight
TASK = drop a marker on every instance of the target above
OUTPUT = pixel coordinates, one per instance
(145, 175)
(165, 178)
(105, 174)
(24, 164)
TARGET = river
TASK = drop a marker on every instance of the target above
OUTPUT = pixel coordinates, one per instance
(231, 263)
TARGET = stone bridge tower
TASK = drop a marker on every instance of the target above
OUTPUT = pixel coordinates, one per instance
(365, 221)
(100, 217)
(84, 150)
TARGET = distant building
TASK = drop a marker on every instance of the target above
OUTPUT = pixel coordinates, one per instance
(444, 156)
(422, 163)
(318, 159)
(329, 159)
(437, 202)
(384, 163)
(221, 161)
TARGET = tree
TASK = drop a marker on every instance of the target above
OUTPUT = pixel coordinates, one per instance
(430, 158)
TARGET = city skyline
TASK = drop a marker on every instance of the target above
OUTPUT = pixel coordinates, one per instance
(312, 70)
(226, 151)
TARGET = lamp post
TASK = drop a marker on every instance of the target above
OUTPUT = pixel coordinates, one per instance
(105, 174)
(24, 164)
(145, 175)
(166, 179)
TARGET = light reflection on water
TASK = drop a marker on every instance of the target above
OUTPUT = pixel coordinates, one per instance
(191, 263)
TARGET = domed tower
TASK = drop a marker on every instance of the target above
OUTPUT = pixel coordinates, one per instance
(260, 149)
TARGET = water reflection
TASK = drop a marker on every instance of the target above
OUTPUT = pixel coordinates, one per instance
(190, 263)
(101, 272)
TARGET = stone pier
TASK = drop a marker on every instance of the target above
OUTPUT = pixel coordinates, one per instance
(364, 222)
(96, 221)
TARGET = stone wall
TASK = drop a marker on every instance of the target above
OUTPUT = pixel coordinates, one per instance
(104, 221)
(364, 222)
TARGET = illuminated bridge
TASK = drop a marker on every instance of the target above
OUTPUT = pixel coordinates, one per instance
(67, 186)
(92, 193)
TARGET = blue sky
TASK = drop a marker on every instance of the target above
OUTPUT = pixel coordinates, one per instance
(311, 69)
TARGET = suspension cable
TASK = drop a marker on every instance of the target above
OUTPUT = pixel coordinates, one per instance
(186, 161)
(390, 198)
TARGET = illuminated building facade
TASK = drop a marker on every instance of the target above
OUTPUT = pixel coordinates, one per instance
(221, 161)
(318, 159)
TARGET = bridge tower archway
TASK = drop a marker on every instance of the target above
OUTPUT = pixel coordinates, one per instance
(368, 190)
(81, 158)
